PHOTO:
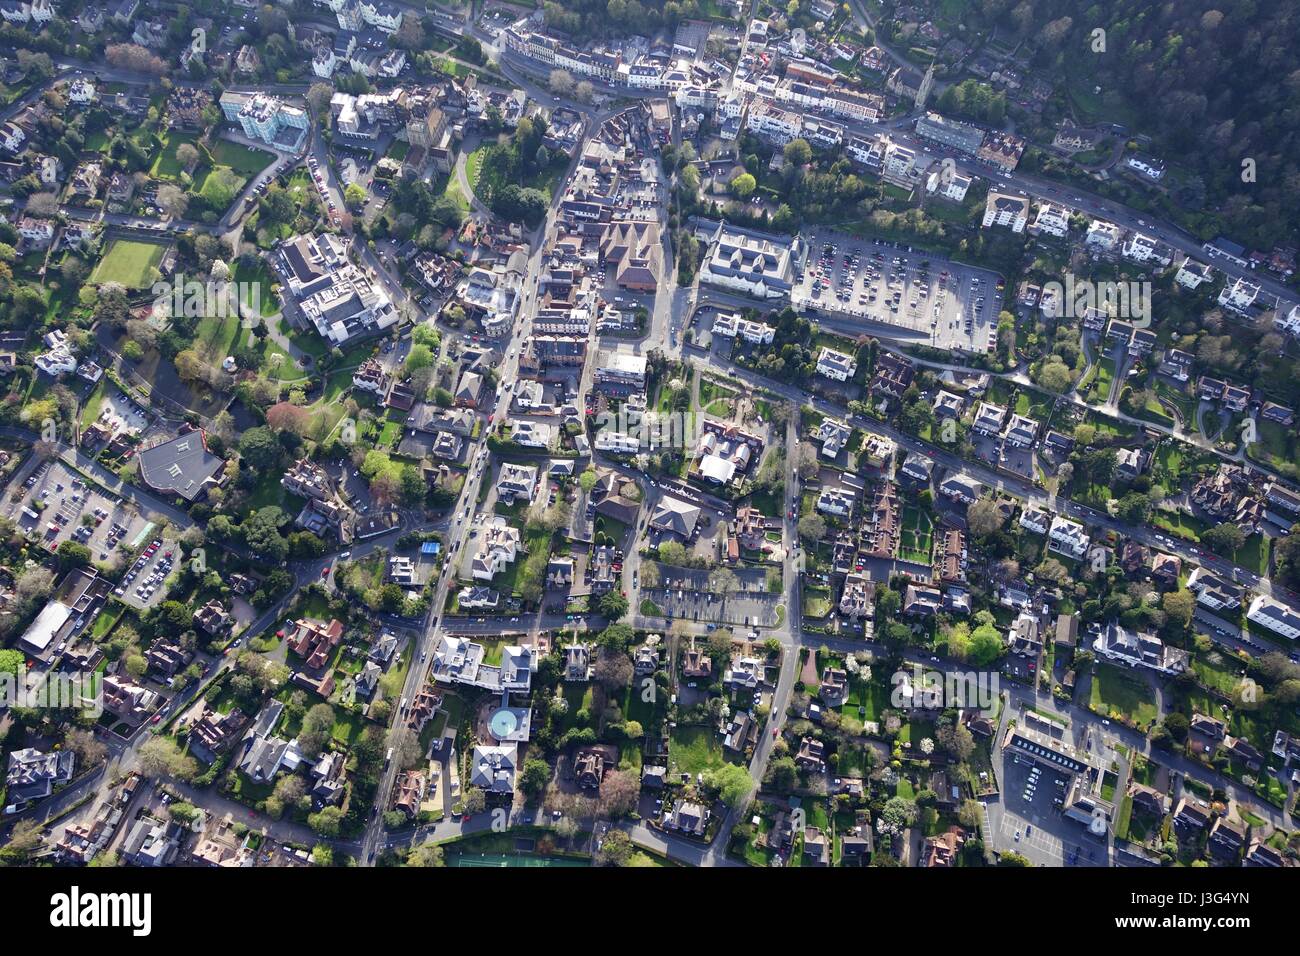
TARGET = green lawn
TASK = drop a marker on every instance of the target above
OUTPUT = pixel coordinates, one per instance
(254, 283)
(917, 539)
(1101, 385)
(474, 165)
(215, 336)
(1116, 693)
(694, 749)
(242, 159)
(165, 164)
(133, 264)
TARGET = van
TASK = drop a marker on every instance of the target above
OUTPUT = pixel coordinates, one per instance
(388, 759)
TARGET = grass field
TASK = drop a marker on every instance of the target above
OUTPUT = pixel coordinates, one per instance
(1116, 693)
(917, 538)
(131, 263)
(255, 287)
(165, 164)
(694, 749)
(215, 336)
(244, 160)
(1100, 390)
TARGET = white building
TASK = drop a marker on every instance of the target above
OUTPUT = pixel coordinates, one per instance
(952, 186)
(1118, 644)
(1192, 274)
(835, 365)
(498, 547)
(1053, 220)
(1068, 538)
(81, 92)
(770, 122)
(835, 501)
(1102, 235)
(1274, 615)
(1239, 295)
(1004, 209)
(533, 434)
(753, 263)
(266, 118)
(734, 325)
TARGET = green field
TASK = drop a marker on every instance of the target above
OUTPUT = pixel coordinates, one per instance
(165, 164)
(242, 159)
(131, 263)
(1117, 694)
(694, 749)
(255, 284)
(917, 538)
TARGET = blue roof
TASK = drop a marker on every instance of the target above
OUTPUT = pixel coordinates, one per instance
(430, 547)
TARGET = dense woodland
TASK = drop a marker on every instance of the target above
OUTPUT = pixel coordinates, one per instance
(1214, 82)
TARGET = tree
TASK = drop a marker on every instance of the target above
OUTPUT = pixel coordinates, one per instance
(72, 554)
(1177, 726)
(535, 776)
(1178, 607)
(84, 744)
(798, 152)
(782, 774)
(612, 605)
(410, 35)
(812, 527)
(426, 855)
(613, 669)
(262, 534)
(1224, 538)
(288, 417)
(956, 739)
(475, 800)
(260, 448)
(986, 645)
(1055, 375)
(420, 356)
(42, 204)
(317, 725)
(984, 517)
(355, 196)
(561, 82)
(328, 822)
(619, 793)
(161, 757)
(173, 201)
(319, 96)
(24, 840)
(732, 781)
(743, 185)
(616, 849)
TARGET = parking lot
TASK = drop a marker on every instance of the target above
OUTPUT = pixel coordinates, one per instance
(941, 303)
(686, 593)
(999, 453)
(120, 412)
(322, 187)
(145, 582)
(1028, 819)
(58, 505)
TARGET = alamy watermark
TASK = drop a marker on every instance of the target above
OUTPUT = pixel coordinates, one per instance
(53, 691)
(925, 689)
(1078, 298)
(209, 299)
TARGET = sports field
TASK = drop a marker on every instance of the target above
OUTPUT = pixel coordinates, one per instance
(129, 262)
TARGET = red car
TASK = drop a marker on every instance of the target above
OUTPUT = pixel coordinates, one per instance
(325, 571)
